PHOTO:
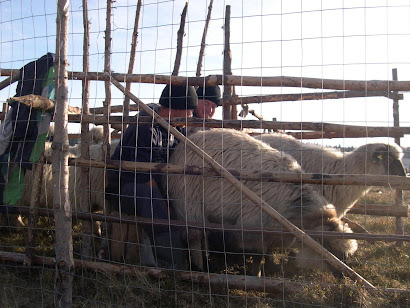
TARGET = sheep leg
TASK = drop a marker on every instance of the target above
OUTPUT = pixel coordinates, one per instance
(132, 248)
(195, 249)
(257, 265)
(118, 238)
(205, 245)
(270, 267)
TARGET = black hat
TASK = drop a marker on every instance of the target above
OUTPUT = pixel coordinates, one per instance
(212, 93)
(179, 97)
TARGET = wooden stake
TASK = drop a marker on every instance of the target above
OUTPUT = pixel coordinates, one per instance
(229, 111)
(202, 49)
(33, 211)
(302, 236)
(134, 41)
(399, 193)
(105, 227)
(86, 228)
(107, 70)
(181, 33)
(63, 239)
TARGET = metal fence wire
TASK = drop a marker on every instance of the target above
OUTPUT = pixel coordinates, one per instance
(201, 153)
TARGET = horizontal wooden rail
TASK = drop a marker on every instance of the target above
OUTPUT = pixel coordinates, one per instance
(338, 130)
(379, 210)
(128, 219)
(238, 100)
(333, 135)
(310, 129)
(234, 80)
(283, 177)
(241, 282)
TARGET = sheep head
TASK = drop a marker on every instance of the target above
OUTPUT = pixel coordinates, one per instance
(383, 158)
(341, 248)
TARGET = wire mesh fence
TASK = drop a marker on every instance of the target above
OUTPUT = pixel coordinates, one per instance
(163, 153)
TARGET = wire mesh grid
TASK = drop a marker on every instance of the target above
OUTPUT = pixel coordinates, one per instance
(204, 153)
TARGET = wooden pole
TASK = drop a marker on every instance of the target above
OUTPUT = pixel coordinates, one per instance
(86, 228)
(332, 135)
(302, 236)
(332, 130)
(248, 283)
(202, 49)
(134, 41)
(8, 81)
(128, 219)
(245, 175)
(107, 70)
(316, 129)
(379, 210)
(229, 111)
(235, 80)
(31, 235)
(105, 226)
(237, 100)
(63, 240)
(399, 193)
(180, 38)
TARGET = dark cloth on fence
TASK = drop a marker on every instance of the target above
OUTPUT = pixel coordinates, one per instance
(33, 77)
(26, 128)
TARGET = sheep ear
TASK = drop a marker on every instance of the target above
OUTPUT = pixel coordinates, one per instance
(379, 155)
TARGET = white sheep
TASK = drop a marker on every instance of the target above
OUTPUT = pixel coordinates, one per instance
(373, 158)
(215, 200)
(96, 137)
(96, 185)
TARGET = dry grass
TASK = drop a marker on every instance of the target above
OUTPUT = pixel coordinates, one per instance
(382, 264)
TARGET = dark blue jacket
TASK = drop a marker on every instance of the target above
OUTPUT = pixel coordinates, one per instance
(140, 143)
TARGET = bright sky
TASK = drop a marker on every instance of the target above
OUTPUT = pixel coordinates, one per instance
(360, 40)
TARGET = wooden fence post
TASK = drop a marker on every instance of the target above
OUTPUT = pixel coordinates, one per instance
(63, 290)
(105, 226)
(399, 192)
(229, 111)
(86, 237)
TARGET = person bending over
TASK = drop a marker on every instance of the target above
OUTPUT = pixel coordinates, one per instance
(139, 193)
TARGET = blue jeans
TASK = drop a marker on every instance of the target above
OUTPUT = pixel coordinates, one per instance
(146, 201)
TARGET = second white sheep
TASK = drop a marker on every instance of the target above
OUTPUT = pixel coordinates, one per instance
(371, 159)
